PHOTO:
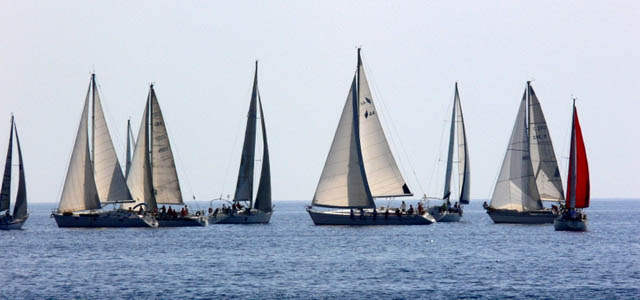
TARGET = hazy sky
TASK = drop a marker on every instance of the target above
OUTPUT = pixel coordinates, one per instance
(201, 57)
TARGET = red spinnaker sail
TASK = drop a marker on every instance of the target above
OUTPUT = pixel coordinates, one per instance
(578, 182)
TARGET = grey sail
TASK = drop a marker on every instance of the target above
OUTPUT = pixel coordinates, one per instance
(139, 179)
(382, 172)
(79, 191)
(5, 192)
(164, 174)
(543, 157)
(244, 185)
(449, 167)
(516, 187)
(128, 158)
(464, 167)
(263, 197)
(343, 181)
(20, 208)
(109, 179)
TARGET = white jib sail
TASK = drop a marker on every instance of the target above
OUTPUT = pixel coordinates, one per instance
(79, 191)
(464, 166)
(516, 187)
(139, 179)
(383, 175)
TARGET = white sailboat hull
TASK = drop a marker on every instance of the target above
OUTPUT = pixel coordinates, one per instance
(114, 218)
(451, 217)
(562, 224)
(524, 217)
(343, 217)
(13, 224)
(256, 217)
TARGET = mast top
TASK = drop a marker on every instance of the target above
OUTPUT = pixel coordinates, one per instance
(359, 58)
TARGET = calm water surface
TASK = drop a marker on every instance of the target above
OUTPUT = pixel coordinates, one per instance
(291, 258)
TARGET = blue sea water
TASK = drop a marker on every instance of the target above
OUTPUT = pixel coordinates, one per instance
(291, 258)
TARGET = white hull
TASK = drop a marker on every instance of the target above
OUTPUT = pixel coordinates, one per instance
(114, 218)
(186, 221)
(561, 224)
(13, 224)
(256, 217)
(524, 217)
(436, 213)
(445, 216)
(343, 217)
(451, 217)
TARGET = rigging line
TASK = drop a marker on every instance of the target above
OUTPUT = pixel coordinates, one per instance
(436, 167)
(393, 130)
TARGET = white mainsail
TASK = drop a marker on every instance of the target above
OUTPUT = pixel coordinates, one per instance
(139, 178)
(343, 183)
(383, 175)
(109, 179)
(164, 173)
(543, 158)
(79, 191)
(516, 187)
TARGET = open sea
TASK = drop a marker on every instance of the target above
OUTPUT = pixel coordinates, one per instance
(291, 258)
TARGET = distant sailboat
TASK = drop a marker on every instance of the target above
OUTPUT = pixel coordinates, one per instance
(578, 186)
(94, 177)
(20, 215)
(529, 173)
(260, 210)
(153, 178)
(360, 167)
(448, 212)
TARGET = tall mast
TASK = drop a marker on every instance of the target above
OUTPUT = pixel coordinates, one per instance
(93, 117)
(149, 138)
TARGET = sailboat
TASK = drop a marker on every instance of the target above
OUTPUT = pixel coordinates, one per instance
(448, 212)
(529, 173)
(94, 177)
(578, 187)
(360, 167)
(20, 215)
(260, 209)
(153, 178)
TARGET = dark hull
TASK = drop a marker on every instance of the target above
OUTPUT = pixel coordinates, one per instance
(525, 217)
(253, 218)
(562, 224)
(116, 218)
(13, 224)
(187, 221)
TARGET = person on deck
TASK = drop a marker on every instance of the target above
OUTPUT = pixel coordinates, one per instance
(420, 208)
(186, 210)
(386, 213)
(361, 213)
(351, 215)
(403, 206)
(375, 213)
(410, 209)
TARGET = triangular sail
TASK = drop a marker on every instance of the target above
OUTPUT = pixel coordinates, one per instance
(543, 158)
(516, 187)
(464, 166)
(164, 173)
(383, 175)
(578, 187)
(263, 197)
(5, 192)
(139, 179)
(244, 185)
(20, 208)
(449, 167)
(342, 182)
(109, 179)
(79, 191)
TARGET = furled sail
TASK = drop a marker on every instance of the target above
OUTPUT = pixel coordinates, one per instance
(139, 179)
(516, 187)
(578, 187)
(383, 175)
(263, 197)
(244, 185)
(79, 191)
(20, 208)
(109, 179)
(164, 173)
(464, 166)
(342, 182)
(128, 158)
(5, 192)
(543, 158)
